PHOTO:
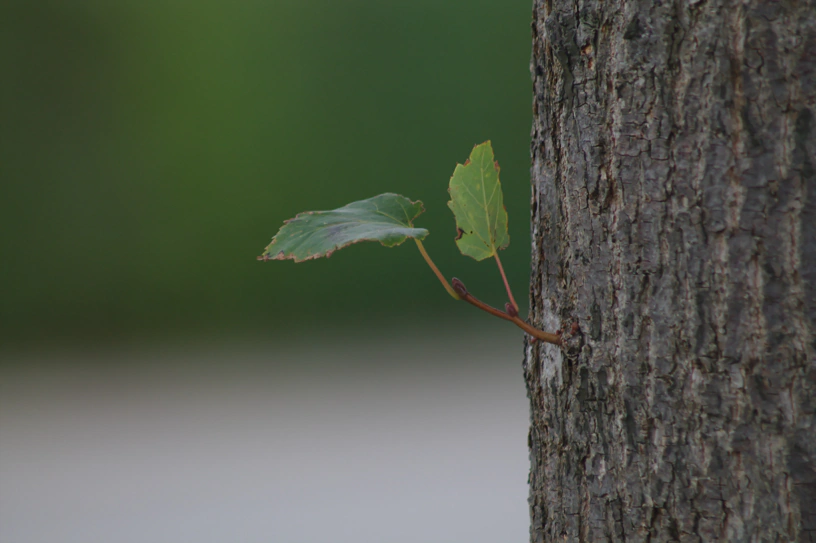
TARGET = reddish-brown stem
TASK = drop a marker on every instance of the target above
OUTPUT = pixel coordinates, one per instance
(459, 292)
(506, 284)
(460, 289)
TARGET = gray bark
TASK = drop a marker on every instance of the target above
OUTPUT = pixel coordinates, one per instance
(674, 220)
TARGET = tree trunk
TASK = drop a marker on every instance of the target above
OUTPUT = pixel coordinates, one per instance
(674, 221)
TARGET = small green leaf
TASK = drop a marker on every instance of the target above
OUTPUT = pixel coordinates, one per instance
(478, 205)
(385, 218)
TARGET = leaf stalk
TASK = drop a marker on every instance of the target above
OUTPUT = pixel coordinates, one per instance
(436, 271)
(506, 284)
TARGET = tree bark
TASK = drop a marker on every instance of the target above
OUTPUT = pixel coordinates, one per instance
(674, 221)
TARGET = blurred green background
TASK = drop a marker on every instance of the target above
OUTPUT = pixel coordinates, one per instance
(149, 151)
(159, 384)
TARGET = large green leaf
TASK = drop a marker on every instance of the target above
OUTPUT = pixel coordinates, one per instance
(478, 205)
(385, 218)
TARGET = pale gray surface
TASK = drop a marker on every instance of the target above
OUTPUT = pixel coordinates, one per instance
(189, 445)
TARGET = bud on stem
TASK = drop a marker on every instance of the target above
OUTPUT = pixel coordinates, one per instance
(459, 287)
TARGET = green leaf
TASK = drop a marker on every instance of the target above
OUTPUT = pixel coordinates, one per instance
(478, 205)
(385, 218)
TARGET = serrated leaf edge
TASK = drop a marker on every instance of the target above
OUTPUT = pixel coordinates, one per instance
(265, 257)
(459, 231)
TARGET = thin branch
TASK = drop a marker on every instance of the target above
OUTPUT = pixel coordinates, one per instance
(459, 292)
(436, 270)
(463, 293)
(506, 284)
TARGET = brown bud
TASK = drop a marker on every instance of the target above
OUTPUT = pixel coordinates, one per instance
(510, 309)
(459, 287)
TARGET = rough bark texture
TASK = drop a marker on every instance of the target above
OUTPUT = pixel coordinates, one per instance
(674, 219)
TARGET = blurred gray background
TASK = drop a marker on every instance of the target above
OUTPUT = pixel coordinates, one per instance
(159, 384)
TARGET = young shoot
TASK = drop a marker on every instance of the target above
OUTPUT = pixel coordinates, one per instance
(481, 222)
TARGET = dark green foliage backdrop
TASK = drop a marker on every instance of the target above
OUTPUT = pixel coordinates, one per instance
(151, 149)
